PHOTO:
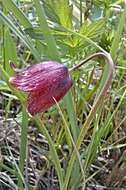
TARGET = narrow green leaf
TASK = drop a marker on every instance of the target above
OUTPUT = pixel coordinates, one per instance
(23, 144)
(51, 45)
(64, 11)
(72, 115)
(9, 47)
(94, 29)
(42, 129)
(20, 16)
(27, 41)
(117, 36)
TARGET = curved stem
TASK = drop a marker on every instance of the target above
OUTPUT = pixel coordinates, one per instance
(106, 85)
(97, 103)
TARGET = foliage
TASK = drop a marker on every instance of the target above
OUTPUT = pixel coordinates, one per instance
(66, 31)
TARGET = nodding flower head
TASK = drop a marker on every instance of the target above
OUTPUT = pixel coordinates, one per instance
(45, 83)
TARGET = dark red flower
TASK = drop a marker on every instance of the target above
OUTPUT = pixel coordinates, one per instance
(45, 82)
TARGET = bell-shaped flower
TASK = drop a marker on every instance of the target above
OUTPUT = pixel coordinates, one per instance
(45, 84)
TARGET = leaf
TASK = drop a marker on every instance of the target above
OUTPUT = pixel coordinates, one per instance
(12, 7)
(21, 34)
(102, 2)
(9, 47)
(94, 29)
(63, 10)
(50, 12)
(4, 86)
(53, 53)
(117, 36)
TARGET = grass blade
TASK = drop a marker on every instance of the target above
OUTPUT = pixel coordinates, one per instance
(117, 35)
(20, 16)
(51, 45)
(27, 41)
(23, 144)
(42, 129)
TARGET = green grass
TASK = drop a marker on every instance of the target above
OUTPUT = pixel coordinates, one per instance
(86, 120)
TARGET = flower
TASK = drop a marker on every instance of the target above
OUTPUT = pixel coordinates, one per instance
(45, 83)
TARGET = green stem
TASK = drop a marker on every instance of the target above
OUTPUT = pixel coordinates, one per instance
(42, 129)
(80, 13)
(98, 102)
(23, 144)
(71, 138)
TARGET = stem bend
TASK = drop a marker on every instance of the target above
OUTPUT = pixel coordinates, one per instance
(106, 85)
(97, 103)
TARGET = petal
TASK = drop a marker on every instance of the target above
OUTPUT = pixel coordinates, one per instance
(38, 76)
(40, 101)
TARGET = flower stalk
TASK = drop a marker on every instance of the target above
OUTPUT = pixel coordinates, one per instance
(98, 102)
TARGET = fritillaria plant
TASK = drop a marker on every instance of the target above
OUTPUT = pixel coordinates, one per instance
(47, 83)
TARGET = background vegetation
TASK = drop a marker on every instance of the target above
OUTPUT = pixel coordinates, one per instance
(47, 151)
